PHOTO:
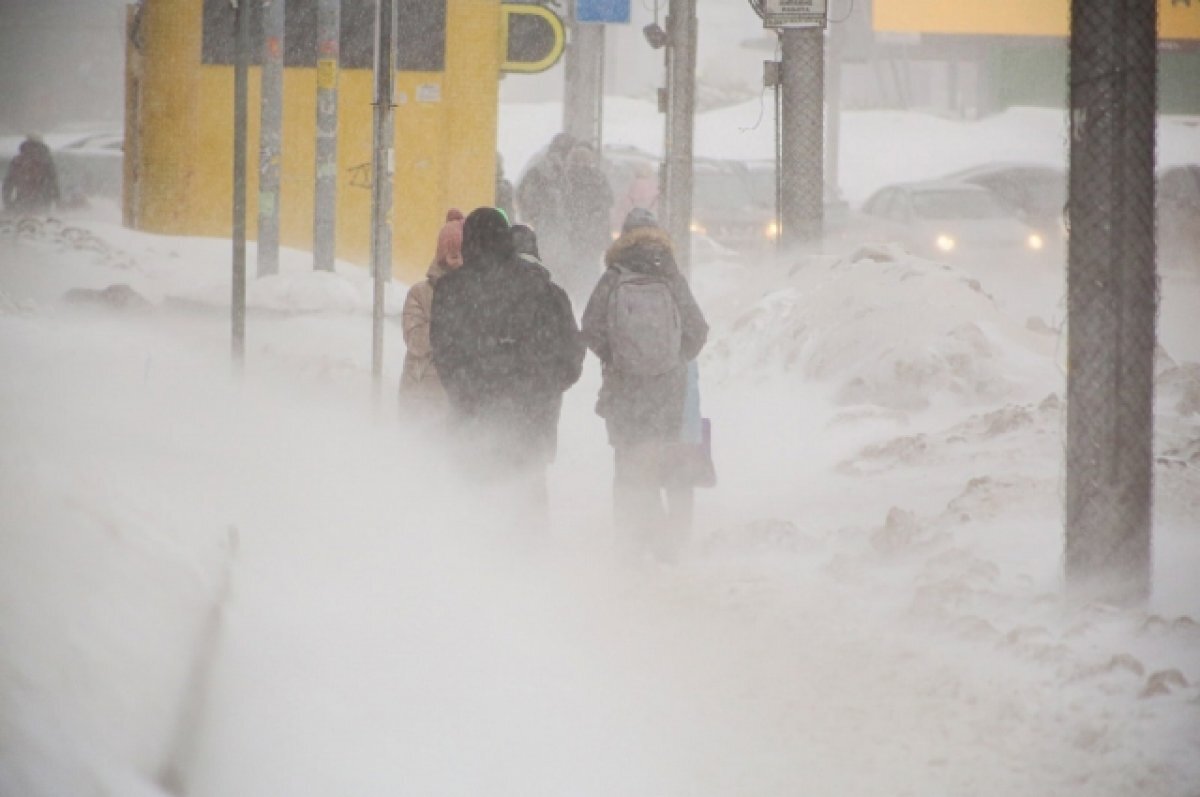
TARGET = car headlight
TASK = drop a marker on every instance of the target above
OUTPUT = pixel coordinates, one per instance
(946, 243)
(772, 230)
(698, 228)
(1035, 242)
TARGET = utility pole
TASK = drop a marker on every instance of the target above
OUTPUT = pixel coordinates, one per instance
(583, 97)
(270, 146)
(240, 102)
(833, 105)
(381, 180)
(800, 178)
(325, 194)
(680, 126)
(1112, 301)
(803, 131)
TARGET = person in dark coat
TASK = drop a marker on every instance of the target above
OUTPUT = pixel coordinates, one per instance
(31, 182)
(506, 346)
(541, 201)
(644, 414)
(588, 199)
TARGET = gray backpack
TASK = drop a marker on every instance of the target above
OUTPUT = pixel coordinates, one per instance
(644, 330)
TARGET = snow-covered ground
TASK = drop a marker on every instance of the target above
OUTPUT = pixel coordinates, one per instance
(270, 585)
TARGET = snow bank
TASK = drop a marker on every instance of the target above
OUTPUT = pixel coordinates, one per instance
(884, 328)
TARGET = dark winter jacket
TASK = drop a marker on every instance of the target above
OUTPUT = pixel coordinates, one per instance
(31, 182)
(589, 201)
(643, 409)
(506, 346)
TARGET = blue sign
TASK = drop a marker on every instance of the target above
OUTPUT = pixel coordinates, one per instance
(609, 11)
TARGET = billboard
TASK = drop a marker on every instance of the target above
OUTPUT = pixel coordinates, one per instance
(1177, 19)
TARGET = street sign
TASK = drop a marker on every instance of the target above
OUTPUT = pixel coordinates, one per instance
(612, 12)
(793, 13)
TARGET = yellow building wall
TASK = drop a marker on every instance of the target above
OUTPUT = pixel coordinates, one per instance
(445, 125)
(1176, 21)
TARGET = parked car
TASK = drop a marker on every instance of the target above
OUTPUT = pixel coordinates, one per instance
(92, 165)
(951, 221)
(1178, 215)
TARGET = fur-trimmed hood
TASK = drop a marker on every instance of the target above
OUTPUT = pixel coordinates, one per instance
(641, 249)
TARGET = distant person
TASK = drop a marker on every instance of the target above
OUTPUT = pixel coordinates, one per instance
(645, 326)
(589, 202)
(541, 195)
(642, 192)
(31, 183)
(421, 390)
(506, 347)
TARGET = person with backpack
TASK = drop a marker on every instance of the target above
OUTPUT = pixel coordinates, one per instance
(506, 346)
(644, 324)
(31, 182)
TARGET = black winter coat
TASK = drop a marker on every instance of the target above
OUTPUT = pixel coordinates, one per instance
(506, 345)
(643, 409)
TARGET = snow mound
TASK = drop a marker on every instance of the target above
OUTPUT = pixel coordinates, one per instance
(894, 331)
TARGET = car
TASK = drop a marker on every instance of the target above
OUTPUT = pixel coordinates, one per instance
(1035, 193)
(1178, 215)
(724, 208)
(92, 165)
(89, 163)
(839, 220)
(951, 221)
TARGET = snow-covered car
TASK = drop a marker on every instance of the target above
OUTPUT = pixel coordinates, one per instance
(1178, 212)
(839, 220)
(950, 221)
(1035, 193)
(91, 165)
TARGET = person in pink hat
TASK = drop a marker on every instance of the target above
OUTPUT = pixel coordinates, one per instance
(421, 389)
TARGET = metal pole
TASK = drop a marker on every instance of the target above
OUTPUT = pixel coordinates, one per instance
(381, 182)
(325, 194)
(584, 88)
(270, 144)
(240, 85)
(833, 109)
(1111, 301)
(802, 133)
(681, 112)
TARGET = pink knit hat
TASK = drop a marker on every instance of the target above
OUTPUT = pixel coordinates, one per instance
(449, 245)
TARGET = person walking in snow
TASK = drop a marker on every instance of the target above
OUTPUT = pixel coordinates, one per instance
(644, 324)
(588, 201)
(541, 197)
(421, 390)
(506, 346)
(31, 182)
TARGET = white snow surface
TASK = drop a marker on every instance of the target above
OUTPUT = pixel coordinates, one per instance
(268, 584)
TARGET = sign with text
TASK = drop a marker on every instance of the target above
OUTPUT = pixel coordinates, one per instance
(794, 13)
(612, 12)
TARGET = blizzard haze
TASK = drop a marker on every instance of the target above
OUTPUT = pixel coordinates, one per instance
(219, 585)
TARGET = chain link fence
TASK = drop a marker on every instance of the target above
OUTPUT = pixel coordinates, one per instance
(1112, 299)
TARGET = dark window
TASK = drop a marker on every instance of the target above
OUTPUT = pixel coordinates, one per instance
(421, 38)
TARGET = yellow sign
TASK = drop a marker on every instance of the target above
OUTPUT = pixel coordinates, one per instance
(1177, 19)
(532, 38)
